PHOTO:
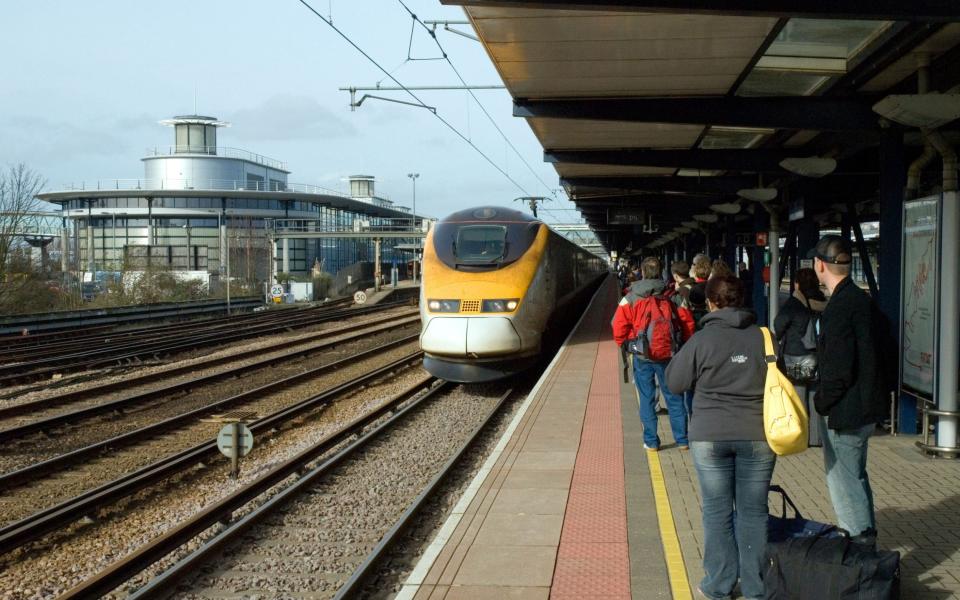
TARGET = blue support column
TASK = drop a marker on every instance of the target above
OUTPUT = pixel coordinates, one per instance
(893, 169)
(730, 243)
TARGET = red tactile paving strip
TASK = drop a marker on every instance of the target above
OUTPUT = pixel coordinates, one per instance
(593, 560)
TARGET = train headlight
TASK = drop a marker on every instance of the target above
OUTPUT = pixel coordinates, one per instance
(450, 306)
(506, 305)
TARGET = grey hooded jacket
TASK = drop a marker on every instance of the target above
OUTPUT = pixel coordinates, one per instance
(726, 362)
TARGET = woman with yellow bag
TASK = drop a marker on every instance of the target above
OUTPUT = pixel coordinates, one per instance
(726, 361)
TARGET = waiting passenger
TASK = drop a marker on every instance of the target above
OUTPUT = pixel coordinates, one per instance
(720, 269)
(852, 392)
(796, 327)
(680, 271)
(657, 328)
(698, 291)
(726, 362)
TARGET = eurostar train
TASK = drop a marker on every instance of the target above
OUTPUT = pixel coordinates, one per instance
(498, 284)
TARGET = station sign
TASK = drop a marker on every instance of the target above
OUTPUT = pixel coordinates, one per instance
(276, 290)
(626, 216)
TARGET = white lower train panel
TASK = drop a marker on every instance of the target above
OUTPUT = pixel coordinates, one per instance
(470, 337)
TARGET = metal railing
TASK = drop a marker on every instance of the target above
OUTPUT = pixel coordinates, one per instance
(282, 226)
(222, 151)
(201, 184)
(31, 223)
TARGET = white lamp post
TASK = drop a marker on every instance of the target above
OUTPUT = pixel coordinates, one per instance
(416, 247)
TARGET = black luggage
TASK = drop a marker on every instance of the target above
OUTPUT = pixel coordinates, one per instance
(825, 568)
(780, 528)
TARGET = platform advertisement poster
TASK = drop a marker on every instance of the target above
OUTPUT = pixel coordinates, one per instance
(920, 297)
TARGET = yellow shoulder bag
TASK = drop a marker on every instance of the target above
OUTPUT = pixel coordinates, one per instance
(785, 419)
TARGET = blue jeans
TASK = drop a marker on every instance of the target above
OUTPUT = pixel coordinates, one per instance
(644, 372)
(845, 461)
(733, 475)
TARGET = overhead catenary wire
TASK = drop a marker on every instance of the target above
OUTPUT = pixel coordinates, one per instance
(446, 57)
(414, 96)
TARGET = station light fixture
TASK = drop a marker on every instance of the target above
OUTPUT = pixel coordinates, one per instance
(683, 229)
(691, 224)
(726, 208)
(758, 194)
(926, 111)
(811, 166)
(706, 218)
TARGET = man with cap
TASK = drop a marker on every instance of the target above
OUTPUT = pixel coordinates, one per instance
(851, 396)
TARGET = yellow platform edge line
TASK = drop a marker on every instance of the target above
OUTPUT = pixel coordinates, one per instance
(676, 568)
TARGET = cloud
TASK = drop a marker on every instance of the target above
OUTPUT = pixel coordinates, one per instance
(30, 138)
(288, 117)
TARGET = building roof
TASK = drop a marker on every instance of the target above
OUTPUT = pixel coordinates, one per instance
(331, 200)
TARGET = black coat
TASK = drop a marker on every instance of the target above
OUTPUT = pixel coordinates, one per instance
(852, 391)
(791, 325)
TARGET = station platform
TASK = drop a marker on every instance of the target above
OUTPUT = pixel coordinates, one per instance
(570, 505)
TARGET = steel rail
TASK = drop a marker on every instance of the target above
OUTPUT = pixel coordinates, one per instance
(69, 397)
(21, 532)
(30, 472)
(140, 350)
(386, 542)
(222, 510)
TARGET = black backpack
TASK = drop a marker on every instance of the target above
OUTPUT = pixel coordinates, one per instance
(824, 568)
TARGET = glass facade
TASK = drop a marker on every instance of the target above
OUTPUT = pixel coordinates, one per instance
(122, 241)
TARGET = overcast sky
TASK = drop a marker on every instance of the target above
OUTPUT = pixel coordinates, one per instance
(85, 83)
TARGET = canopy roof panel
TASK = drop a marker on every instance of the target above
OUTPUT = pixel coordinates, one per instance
(638, 77)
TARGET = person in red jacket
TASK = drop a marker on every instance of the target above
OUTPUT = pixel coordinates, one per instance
(652, 328)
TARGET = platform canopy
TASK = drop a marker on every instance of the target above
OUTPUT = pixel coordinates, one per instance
(652, 112)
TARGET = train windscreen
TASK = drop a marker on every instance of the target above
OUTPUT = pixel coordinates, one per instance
(480, 244)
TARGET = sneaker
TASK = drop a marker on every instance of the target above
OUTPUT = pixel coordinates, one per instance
(683, 447)
(651, 448)
(701, 596)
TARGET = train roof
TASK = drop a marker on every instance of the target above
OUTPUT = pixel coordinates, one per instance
(495, 214)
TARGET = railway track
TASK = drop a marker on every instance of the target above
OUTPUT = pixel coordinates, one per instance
(58, 322)
(132, 350)
(61, 515)
(20, 420)
(60, 344)
(316, 523)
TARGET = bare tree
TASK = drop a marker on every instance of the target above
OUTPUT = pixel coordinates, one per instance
(19, 186)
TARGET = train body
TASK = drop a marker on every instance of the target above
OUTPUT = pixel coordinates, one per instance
(496, 284)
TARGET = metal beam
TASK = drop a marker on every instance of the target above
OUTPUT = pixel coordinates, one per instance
(892, 10)
(693, 185)
(750, 160)
(779, 112)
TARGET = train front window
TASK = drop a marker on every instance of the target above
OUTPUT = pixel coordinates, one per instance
(480, 244)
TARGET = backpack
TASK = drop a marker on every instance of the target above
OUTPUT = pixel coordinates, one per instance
(659, 334)
(697, 299)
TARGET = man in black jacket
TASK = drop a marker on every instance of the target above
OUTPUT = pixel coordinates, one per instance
(851, 393)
